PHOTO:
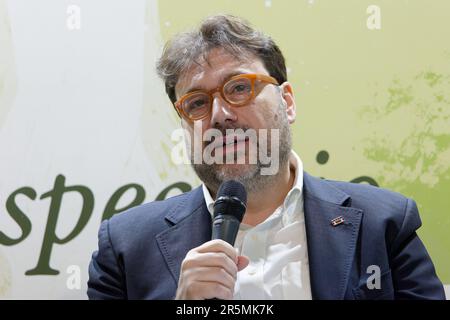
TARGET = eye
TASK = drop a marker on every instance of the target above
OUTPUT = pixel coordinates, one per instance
(238, 87)
(196, 103)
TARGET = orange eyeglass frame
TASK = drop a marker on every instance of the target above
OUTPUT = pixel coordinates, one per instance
(252, 76)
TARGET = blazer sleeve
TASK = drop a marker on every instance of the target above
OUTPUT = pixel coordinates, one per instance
(106, 277)
(414, 275)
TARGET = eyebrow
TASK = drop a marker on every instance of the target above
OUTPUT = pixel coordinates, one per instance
(222, 80)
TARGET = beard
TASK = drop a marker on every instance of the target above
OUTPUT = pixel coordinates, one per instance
(213, 175)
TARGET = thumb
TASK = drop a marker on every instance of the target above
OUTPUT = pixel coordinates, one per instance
(242, 262)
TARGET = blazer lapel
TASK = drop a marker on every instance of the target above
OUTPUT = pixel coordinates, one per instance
(331, 249)
(190, 227)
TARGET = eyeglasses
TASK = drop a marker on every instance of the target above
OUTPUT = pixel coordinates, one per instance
(237, 91)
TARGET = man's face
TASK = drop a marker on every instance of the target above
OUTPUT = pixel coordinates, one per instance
(272, 108)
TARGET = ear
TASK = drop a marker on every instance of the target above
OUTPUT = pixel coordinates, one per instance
(287, 95)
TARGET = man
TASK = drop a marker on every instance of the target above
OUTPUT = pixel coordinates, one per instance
(300, 238)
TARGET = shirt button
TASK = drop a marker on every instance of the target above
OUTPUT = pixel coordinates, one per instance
(255, 237)
(252, 271)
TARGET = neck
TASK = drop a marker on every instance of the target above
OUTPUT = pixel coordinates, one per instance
(261, 204)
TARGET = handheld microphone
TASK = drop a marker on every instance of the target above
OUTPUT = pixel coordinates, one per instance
(229, 209)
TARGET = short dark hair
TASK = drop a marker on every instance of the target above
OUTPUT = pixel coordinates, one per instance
(233, 34)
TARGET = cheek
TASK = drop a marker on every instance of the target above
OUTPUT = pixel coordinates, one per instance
(188, 131)
(194, 132)
(265, 111)
(275, 117)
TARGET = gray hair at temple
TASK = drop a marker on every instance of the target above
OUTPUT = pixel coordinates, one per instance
(231, 33)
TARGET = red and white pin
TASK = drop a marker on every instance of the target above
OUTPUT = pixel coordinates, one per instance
(337, 221)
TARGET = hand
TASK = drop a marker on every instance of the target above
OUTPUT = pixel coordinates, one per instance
(209, 271)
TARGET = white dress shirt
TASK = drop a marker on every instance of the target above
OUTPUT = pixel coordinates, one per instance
(276, 247)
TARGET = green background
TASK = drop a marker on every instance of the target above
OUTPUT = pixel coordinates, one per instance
(377, 101)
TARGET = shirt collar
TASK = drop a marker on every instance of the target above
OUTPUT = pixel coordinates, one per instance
(291, 197)
(208, 199)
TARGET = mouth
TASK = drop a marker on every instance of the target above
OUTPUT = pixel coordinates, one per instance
(230, 143)
(232, 140)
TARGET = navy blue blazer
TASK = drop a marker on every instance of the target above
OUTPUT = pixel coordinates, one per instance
(140, 250)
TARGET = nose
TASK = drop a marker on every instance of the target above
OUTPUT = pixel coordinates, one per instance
(222, 113)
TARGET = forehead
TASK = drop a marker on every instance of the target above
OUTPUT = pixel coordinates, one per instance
(219, 66)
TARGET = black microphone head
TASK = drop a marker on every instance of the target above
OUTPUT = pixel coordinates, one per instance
(231, 200)
(233, 188)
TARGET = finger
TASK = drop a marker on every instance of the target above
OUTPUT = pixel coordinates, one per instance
(211, 290)
(218, 245)
(242, 262)
(210, 259)
(212, 274)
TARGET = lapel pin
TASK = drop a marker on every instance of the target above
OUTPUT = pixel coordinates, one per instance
(337, 221)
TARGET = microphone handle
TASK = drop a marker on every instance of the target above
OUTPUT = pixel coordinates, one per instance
(225, 227)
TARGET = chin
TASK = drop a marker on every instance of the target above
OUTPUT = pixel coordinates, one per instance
(236, 171)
